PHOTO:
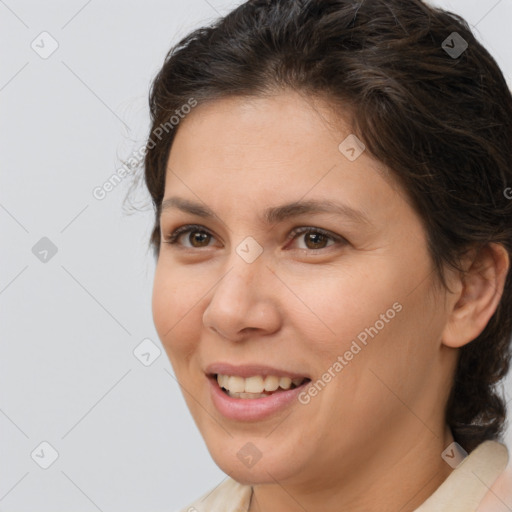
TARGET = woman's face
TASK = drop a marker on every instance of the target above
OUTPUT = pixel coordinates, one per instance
(351, 305)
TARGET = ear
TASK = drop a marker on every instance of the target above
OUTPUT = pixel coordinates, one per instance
(478, 294)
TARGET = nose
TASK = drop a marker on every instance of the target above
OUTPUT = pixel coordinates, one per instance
(244, 302)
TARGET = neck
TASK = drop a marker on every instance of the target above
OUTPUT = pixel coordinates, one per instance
(401, 477)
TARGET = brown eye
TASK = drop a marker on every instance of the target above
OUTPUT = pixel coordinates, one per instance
(317, 240)
(198, 237)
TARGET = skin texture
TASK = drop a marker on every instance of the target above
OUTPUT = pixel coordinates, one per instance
(372, 439)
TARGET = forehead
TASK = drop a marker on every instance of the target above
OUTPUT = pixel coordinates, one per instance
(267, 131)
(281, 146)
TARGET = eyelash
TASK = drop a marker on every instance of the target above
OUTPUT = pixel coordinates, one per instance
(172, 239)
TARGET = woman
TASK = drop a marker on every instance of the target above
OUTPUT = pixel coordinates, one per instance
(333, 236)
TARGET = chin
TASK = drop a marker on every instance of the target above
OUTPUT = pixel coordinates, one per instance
(242, 461)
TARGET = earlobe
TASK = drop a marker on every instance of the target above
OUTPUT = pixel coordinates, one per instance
(478, 295)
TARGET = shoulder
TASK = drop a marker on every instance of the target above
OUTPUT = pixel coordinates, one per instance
(499, 496)
(228, 496)
(472, 485)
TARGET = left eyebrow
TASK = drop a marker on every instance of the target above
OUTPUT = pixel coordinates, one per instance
(275, 214)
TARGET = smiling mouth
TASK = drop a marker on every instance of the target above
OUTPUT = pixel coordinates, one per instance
(257, 386)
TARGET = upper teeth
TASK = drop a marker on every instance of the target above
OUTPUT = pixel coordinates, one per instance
(256, 384)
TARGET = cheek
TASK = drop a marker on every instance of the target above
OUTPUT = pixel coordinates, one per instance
(370, 317)
(173, 310)
(338, 305)
(395, 364)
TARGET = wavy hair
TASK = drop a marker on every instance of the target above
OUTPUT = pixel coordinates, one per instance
(437, 113)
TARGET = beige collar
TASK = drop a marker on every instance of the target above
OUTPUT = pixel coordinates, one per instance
(468, 484)
(462, 491)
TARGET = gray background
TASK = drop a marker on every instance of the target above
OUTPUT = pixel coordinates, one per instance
(70, 324)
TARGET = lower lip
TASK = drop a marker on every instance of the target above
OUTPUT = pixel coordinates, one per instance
(252, 409)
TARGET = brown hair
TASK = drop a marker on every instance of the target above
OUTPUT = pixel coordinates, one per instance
(441, 122)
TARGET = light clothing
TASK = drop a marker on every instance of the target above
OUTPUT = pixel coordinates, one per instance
(469, 485)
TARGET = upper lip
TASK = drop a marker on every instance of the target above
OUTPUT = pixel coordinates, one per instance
(250, 370)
